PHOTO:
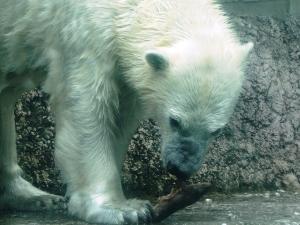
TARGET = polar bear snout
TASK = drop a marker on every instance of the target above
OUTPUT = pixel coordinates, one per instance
(183, 156)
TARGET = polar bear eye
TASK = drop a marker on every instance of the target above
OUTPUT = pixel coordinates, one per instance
(174, 123)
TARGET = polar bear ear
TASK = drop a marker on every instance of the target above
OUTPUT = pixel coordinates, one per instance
(157, 60)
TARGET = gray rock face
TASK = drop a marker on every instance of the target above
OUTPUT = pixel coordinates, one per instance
(259, 148)
(35, 141)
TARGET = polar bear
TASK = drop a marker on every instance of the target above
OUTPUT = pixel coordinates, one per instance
(107, 65)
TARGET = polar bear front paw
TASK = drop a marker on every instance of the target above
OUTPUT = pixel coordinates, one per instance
(97, 210)
(143, 209)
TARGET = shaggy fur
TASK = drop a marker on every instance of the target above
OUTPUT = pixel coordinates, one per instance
(107, 64)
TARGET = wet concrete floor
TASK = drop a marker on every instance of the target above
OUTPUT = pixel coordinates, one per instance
(268, 208)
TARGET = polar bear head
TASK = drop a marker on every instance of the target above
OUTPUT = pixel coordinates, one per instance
(192, 93)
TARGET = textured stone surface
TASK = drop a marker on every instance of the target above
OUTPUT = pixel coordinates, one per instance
(35, 141)
(259, 148)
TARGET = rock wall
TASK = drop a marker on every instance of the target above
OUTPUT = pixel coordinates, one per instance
(258, 149)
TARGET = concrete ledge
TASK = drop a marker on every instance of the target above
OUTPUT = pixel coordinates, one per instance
(275, 8)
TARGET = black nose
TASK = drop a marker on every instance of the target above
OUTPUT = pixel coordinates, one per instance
(173, 169)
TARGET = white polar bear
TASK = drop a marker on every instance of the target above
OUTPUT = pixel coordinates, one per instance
(108, 64)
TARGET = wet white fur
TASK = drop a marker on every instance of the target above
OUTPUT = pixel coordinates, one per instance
(101, 85)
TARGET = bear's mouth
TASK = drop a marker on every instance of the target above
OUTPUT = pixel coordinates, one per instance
(182, 157)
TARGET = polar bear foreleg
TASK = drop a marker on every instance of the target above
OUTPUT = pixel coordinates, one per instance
(85, 143)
